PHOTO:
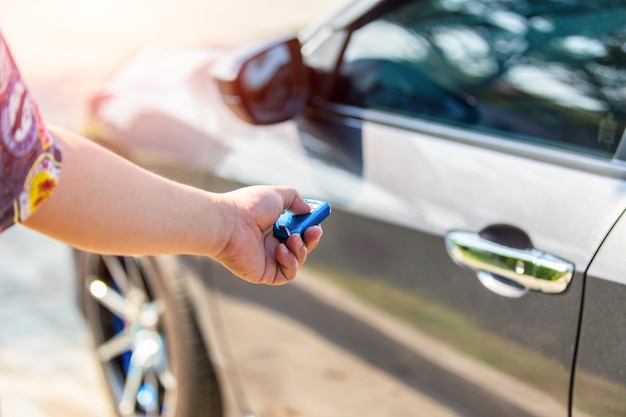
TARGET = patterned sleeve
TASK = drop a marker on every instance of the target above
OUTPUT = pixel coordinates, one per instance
(30, 159)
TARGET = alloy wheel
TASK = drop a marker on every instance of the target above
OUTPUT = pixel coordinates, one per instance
(131, 345)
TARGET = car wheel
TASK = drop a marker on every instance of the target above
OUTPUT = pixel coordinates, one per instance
(146, 337)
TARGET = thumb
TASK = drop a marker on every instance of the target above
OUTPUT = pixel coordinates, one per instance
(293, 202)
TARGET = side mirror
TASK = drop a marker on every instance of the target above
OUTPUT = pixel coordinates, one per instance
(264, 84)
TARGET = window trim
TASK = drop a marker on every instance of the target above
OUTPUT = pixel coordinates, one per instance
(609, 167)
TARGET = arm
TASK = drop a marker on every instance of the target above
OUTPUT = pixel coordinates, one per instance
(106, 204)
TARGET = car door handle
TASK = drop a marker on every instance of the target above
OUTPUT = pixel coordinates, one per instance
(526, 269)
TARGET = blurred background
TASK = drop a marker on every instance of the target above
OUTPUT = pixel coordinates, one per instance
(64, 48)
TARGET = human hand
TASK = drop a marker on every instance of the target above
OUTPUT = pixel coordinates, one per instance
(250, 249)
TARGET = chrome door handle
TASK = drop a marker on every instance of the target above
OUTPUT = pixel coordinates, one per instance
(529, 268)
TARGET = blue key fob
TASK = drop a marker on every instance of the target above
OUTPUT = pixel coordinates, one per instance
(289, 223)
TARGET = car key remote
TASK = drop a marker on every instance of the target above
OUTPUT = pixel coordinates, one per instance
(289, 223)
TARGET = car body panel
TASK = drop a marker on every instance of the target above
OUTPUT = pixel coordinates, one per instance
(395, 327)
(599, 379)
(369, 252)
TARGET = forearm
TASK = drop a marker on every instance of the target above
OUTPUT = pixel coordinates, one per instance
(104, 203)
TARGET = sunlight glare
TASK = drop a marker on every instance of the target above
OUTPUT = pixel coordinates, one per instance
(98, 289)
(97, 14)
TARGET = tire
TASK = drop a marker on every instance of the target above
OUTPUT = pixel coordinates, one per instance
(146, 338)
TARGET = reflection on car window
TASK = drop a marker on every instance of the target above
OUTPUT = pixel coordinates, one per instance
(551, 72)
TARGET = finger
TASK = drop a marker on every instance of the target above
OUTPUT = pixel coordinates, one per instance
(312, 237)
(293, 202)
(296, 245)
(287, 263)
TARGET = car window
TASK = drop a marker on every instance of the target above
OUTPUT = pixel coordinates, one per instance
(550, 72)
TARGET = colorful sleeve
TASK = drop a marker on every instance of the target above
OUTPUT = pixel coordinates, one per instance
(30, 159)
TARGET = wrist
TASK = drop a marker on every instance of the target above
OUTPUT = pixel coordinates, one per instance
(217, 224)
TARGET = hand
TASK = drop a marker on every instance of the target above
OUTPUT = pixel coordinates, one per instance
(250, 249)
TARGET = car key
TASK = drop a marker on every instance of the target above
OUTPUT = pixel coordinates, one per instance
(289, 223)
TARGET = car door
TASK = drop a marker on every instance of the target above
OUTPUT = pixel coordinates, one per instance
(471, 153)
(599, 378)
(472, 125)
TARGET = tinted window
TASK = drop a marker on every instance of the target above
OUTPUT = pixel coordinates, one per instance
(551, 72)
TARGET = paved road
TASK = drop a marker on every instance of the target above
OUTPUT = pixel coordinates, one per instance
(46, 366)
(64, 48)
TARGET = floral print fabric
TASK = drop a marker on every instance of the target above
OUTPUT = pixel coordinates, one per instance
(30, 160)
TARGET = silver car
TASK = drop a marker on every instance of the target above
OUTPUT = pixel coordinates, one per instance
(473, 152)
